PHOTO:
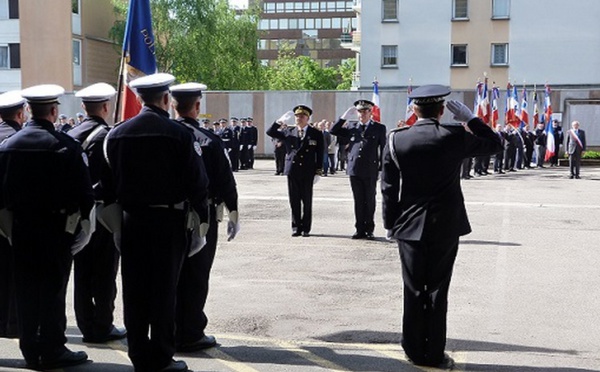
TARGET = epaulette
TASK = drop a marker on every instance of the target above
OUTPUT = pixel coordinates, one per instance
(398, 129)
(451, 124)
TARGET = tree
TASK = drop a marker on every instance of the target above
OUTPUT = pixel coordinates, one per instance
(204, 41)
(346, 71)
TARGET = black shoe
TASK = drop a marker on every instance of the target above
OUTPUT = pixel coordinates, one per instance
(305, 234)
(277, 173)
(114, 334)
(175, 366)
(369, 236)
(359, 235)
(206, 342)
(32, 364)
(577, 177)
(297, 233)
(67, 359)
(447, 363)
(571, 176)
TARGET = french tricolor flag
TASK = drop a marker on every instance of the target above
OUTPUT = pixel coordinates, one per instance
(410, 117)
(376, 110)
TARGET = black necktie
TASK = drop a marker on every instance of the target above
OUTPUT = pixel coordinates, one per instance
(301, 133)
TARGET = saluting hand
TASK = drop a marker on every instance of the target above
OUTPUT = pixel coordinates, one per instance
(461, 112)
(285, 118)
(350, 113)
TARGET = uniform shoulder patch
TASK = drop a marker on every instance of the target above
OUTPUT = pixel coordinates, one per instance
(198, 148)
(398, 129)
(452, 125)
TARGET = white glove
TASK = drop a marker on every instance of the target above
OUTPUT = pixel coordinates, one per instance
(389, 235)
(249, 147)
(203, 229)
(241, 147)
(286, 118)
(316, 179)
(219, 212)
(253, 147)
(350, 113)
(461, 112)
(233, 225)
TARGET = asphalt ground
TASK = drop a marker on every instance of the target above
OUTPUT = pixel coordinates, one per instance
(525, 295)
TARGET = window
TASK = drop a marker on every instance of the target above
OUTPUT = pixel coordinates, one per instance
(500, 9)
(270, 8)
(283, 24)
(326, 23)
(293, 24)
(390, 10)
(262, 44)
(310, 23)
(77, 62)
(264, 24)
(499, 54)
(273, 24)
(279, 8)
(460, 9)
(15, 55)
(389, 56)
(4, 56)
(289, 7)
(336, 23)
(459, 55)
(75, 6)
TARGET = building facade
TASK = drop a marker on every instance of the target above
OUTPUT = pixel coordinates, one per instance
(310, 28)
(63, 42)
(457, 42)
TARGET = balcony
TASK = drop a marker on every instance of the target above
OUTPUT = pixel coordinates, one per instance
(357, 5)
(350, 41)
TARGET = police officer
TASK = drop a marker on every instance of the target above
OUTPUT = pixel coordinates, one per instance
(303, 164)
(230, 141)
(157, 172)
(367, 140)
(97, 264)
(426, 213)
(194, 282)
(12, 113)
(35, 164)
(253, 142)
(245, 144)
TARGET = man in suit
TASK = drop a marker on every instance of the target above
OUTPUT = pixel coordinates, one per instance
(423, 209)
(253, 142)
(499, 157)
(12, 114)
(557, 132)
(367, 140)
(528, 139)
(303, 164)
(575, 148)
(540, 145)
(34, 163)
(192, 290)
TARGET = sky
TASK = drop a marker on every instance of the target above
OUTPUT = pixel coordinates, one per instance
(239, 3)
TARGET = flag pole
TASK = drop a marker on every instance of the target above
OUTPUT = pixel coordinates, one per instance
(119, 88)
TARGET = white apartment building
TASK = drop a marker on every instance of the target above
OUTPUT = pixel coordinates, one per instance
(456, 42)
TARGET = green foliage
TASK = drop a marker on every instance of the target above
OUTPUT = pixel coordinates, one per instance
(346, 71)
(204, 41)
(591, 155)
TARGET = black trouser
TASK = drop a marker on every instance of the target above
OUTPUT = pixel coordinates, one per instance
(42, 251)
(8, 311)
(554, 158)
(251, 157)
(234, 157)
(96, 269)
(509, 157)
(244, 157)
(300, 191)
(331, 163)
(364, 192)
(498, 159)
(279, 158)
(574, 163)
(192, 289)
(342, 157)
(466, 167)
(426, 272)
(153, 247)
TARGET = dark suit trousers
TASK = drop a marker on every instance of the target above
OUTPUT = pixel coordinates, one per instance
(279, 159)
(426, 271)
(300, 190)
(364, 191)
(42, 267)
(498, 159)
(8, 310)
(574, 163)
(96, 269)
(153, 247)
(192, 290)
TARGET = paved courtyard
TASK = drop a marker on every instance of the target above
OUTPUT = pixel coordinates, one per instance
(525, 294)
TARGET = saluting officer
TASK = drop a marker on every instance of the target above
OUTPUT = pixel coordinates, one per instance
(303, 164)
(367, 140)
(423, 209)
(158, 174)
(96, 266)
(36, 164)
(192, 290)
(12, 113)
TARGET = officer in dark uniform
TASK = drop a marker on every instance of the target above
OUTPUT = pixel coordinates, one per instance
(234, 154)
(194, 280)
(245, 142)
(253, 142)
(303, 164)
(367, 140)
(157, 172)
(206, 125)
(229, 141)
(36, 165)
(96, 266)
(12, 113)
(423, 209)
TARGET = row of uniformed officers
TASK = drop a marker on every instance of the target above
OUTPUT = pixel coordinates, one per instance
(151, 191)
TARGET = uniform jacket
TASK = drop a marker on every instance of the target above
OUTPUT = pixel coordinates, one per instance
(93, 149)
(154, 161)
(540, 137)
(221, 186)
(572, 145)
(365, 148)
(304, 158)
(8, 128)
(44, 170)
(427, 203)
